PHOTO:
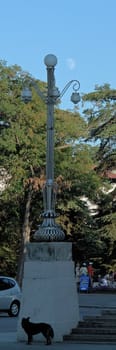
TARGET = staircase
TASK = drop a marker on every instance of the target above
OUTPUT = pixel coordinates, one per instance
(95, 329)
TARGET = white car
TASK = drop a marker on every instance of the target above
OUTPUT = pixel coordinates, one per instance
(10, 296)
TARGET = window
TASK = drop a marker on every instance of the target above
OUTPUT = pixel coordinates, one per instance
(6, 283)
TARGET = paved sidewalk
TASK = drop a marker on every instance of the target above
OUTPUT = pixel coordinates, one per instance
(13, 345)
(93, 304)
(100, 300)
(58, 346)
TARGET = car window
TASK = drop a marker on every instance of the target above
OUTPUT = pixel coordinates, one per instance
(6, 283)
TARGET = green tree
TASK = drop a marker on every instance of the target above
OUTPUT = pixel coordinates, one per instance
(101, 116)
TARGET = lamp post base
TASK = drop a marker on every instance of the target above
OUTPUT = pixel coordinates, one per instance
(49, 292)
(49, 231)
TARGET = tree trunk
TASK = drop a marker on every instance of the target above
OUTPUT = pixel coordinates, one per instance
(25, 236)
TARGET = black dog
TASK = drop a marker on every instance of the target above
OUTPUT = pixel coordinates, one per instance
(35, 328)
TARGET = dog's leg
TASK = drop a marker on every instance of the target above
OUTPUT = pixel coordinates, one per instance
(48, 340)
(30, 338)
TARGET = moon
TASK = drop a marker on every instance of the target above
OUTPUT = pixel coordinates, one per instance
(71, 63)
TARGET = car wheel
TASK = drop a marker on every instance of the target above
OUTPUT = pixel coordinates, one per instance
(14, 309)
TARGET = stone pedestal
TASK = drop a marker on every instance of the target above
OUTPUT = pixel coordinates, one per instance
(49, 292)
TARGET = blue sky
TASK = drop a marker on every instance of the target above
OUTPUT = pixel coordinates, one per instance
(81, 33)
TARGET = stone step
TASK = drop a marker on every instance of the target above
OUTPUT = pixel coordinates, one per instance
(95, 329)
(90, 338)
(99, 318)
(109, 312)
(98, 323)
(90, 330)
(105, 316)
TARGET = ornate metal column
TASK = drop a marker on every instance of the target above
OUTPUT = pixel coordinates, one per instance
(49, 230)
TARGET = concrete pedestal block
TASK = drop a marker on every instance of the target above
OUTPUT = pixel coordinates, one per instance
(49, 292)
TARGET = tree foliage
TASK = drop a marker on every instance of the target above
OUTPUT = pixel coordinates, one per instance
(101, 116)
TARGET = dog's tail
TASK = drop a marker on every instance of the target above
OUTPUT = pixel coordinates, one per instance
(51, 332)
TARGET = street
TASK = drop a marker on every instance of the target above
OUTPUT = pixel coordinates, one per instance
(7, 324)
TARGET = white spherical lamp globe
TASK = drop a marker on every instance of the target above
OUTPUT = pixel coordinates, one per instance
(50, 60)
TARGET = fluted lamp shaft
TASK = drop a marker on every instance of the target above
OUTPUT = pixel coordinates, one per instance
(49, 230)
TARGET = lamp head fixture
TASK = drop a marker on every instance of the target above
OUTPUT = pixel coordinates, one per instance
(75, 97)
(55, 93)
(26, 95)
(50, 61)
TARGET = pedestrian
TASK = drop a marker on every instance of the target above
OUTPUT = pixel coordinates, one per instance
(114, 276)
(111, 278)
(91, 273)
(104, 282)
(83, 270)
(77, 274)
(84, 278)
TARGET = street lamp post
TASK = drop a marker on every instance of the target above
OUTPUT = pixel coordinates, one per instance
(49, 230)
